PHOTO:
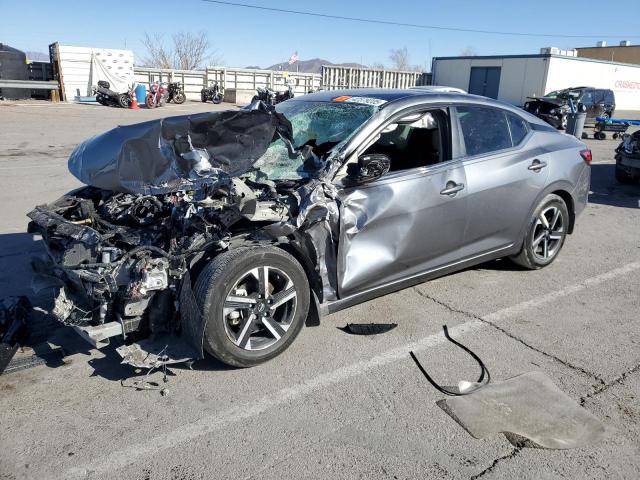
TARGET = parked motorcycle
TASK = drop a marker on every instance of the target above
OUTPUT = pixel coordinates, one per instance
(176, 93)
(272, 97)
(107, 97)
(157, 95)
(213, 93)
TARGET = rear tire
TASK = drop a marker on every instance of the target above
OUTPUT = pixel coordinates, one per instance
(179, 98)
(217, 98)
(150, 101)
(243, 325)
(546, 233)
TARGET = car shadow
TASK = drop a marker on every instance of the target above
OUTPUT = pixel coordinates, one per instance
(47, 341)
(606, 190)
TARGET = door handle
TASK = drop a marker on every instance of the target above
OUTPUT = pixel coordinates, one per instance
(537, 165)
(451, 188)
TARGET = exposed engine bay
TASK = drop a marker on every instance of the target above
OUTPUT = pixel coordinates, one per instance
(163, 198)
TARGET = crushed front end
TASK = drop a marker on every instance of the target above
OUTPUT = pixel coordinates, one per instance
(165, 197)
(118, 259)
(552, 111)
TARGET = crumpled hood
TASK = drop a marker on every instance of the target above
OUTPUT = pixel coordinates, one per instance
(177, 153)
(552, 101)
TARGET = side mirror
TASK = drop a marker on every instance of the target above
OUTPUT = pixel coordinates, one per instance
(368, 168)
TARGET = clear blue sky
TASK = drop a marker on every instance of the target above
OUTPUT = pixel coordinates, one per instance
(251, 37)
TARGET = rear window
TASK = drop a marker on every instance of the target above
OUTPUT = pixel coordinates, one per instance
(484, 129)
(518, 127)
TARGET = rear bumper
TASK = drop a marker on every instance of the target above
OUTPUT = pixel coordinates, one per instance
(630, 164)
(580, 193)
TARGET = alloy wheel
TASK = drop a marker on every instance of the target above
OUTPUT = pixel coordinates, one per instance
(548, 233)
(259, 308)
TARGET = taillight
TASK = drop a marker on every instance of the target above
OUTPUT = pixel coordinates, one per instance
(586, 156)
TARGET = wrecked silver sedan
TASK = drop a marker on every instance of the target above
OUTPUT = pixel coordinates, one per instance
(226, 231)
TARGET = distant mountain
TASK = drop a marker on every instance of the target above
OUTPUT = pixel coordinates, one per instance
(310, 66)
(37, 56)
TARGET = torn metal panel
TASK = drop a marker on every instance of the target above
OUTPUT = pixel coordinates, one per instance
(156, 352)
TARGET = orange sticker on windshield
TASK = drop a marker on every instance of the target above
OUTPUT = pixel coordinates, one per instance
(343, 98)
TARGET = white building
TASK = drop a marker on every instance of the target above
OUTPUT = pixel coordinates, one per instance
(513, 78)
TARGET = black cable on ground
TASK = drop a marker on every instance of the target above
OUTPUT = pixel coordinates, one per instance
(484, 371)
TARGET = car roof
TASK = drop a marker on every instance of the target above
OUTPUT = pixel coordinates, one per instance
(386, 94)
(396, 98)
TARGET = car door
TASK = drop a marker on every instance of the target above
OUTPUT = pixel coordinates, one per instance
(599, 106)
(588, 101)
(402, 224)
(505, 172)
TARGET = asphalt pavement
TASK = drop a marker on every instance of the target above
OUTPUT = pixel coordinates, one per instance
(334, 405)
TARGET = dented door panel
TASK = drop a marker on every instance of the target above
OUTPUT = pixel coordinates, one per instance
(399, 226)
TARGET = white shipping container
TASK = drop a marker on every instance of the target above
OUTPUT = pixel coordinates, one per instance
(82, 67)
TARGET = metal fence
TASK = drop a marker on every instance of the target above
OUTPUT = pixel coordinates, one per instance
(239, 78)
(334, 77)
(246, 79)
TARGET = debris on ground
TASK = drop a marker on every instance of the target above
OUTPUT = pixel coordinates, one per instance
(529, 409)
(529, 406)
(368, 328)
(464, 387)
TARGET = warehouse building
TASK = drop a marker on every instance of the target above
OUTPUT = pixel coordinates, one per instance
(624, 53)
(513, 78)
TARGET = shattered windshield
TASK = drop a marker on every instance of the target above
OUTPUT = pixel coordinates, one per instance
(319, 126)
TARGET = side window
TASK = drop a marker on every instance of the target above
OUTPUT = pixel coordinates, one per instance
(519, 128)
(599, 96)
(484, 129)
(416, 140)
(608, 97)
(587, 98)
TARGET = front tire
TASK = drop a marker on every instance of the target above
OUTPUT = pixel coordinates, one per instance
(123, 100)
(255, 301)
(545, 235)
(179, 98)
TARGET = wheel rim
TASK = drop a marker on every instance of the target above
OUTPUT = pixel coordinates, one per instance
(548, 232)
(260, 307)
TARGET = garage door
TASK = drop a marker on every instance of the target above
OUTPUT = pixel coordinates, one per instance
(485, 81)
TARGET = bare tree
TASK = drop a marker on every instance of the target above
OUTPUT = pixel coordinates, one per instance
(400, 58)
(187, 51)
(469, 51)
(378, 65)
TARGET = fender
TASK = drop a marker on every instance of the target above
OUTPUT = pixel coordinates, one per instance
(567, 196)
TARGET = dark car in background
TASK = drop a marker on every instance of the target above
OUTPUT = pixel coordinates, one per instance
(554, 107)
